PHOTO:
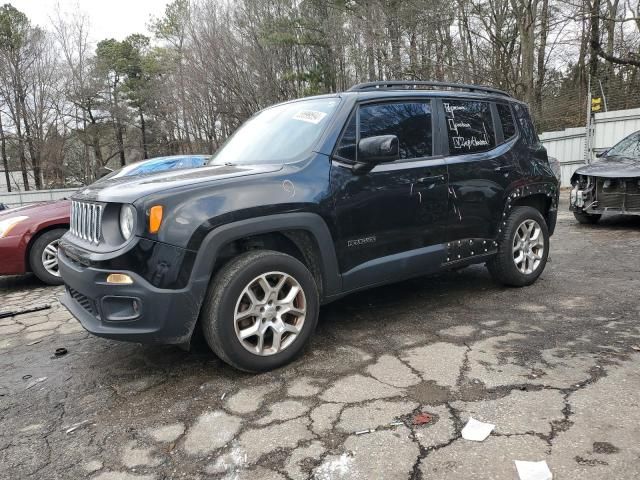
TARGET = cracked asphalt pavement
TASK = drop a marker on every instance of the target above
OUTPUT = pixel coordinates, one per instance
(554, 366)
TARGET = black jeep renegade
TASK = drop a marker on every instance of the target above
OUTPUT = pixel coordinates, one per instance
(308, 201)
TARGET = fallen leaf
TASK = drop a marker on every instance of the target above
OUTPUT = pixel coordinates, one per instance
(422, 418)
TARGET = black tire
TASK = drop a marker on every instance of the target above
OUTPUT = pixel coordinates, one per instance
(224, 291)
(502, 267)
(587, 218)
(35, 256)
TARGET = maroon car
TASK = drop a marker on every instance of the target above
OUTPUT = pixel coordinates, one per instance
(29, 235)
(29, 239)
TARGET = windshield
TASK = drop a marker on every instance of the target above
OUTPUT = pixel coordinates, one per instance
(277, 134)
(627, 147)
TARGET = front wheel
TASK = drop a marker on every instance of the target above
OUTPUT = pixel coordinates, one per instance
(260, 310)
(523, 248)
(587, 218)
(43, 256)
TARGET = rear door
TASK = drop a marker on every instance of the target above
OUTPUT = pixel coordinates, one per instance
(388, 216)
(480, 166)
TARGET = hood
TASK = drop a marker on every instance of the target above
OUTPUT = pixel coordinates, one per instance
(130, 189)
(613, 167)
(60, 209)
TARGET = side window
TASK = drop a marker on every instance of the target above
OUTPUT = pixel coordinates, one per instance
(524, 122)
(410, 122)
(469, 125)
(347, 145)
(508, 126)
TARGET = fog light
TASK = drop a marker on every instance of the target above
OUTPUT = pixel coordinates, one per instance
(119, 278)
(121, 309)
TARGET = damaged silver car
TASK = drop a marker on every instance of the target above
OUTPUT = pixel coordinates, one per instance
(611, 185)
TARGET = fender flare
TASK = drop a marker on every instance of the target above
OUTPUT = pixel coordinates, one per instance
(310, 222)
(549, 189)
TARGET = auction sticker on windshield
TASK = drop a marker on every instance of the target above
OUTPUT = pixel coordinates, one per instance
(310, 116)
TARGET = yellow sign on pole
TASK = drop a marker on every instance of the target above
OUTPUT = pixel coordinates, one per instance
(596, 104)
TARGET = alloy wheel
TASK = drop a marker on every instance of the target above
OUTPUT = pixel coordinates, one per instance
(270, 313)
(50, 258)
(528, 247)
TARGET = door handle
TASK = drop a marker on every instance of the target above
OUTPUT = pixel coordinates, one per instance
(503, 168)
(432, 179)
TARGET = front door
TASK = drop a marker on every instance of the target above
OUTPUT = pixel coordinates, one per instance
(392, 219)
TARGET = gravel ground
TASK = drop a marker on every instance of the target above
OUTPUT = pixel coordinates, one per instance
(554, 366)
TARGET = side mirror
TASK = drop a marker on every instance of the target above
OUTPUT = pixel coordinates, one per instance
(380, 149)
(602, 153)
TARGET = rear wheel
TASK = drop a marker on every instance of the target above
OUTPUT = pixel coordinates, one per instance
(587, 218)
(260, 310)
(43, 256)
(523, 248)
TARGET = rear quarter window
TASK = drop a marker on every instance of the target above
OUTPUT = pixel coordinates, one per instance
(527, 130)
(506, 119)
(469, 126)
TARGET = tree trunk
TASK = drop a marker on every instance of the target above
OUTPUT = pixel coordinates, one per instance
(35, 160)
(23, 160)
(95, 139)
(413, 53)
(463, 44)
(542, 53)
(143, 129)
(370, 44)
(582, 57)
(5, 161)
(393, 26)
(610, 25)
(594, 40)
(471, 57)
(525, 11)
(120, 141)
(117, 126)
(186, 148)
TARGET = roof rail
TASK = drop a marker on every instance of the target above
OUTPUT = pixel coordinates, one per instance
(415, 84)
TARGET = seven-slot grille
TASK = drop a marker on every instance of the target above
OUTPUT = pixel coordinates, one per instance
(86, 221)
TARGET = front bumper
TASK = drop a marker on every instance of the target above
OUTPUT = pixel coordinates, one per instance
(139, 312)
(605, 195)
(12, 255)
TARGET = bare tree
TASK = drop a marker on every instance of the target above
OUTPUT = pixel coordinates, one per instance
(71, 106)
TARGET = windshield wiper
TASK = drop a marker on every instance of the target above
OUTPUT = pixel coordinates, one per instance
(615, 155)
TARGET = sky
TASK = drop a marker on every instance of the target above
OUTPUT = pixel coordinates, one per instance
(107, 18)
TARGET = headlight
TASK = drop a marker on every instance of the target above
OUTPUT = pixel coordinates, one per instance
(9, 223)
(127, 221)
